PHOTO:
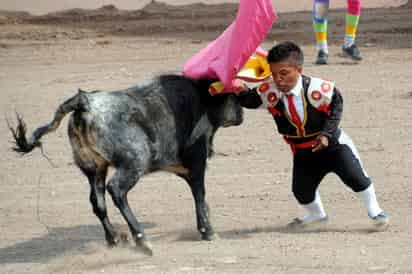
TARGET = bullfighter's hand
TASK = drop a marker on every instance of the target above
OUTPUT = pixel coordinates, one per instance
(322, 142)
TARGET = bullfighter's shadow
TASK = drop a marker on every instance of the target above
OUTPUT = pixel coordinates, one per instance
(57, 242)
(247, 233)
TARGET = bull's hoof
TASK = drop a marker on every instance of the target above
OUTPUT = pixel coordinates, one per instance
(118, 239)
(144, 246)
(112, 241)
(208, 236)
(124, 238)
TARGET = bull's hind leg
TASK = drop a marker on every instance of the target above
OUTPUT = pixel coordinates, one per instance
(119, 185)
(95, 168)
(97, 182)
(195, 160)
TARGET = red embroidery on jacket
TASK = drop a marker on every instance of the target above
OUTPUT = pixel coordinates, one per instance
(272, 97)
(263, 87)
(274, 111)
(316, 95)
(326, 87)
(324, 108)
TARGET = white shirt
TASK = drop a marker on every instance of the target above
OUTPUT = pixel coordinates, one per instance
(297, 98)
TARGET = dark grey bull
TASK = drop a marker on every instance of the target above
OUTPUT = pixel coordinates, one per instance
(166, 125)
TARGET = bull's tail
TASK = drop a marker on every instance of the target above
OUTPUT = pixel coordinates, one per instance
(78, 102)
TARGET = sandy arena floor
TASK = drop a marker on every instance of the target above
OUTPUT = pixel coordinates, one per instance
(46, 221)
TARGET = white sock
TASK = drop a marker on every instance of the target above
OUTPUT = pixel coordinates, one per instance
(315, 209)
(322, 46)
(368, 197)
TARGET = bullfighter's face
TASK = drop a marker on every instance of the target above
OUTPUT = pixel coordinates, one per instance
(285, 75)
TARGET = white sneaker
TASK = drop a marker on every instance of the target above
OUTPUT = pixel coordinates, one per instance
(381, 221)
(298, 223)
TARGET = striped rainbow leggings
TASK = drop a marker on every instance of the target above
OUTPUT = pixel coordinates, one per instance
(320, 20)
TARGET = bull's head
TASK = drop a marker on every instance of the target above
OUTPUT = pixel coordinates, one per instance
(232, 111)
(227, 111)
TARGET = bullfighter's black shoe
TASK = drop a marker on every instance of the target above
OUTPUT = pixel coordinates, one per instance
(352, 52)
(322, 58)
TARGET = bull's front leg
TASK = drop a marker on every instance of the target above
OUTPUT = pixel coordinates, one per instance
(194, 160)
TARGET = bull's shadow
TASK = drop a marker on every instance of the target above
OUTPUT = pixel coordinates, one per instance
(57, 242)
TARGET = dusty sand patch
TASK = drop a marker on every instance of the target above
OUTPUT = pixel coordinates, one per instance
(46, 221)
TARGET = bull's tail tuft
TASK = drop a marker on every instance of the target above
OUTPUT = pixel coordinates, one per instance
(24, 145)
(19, 135)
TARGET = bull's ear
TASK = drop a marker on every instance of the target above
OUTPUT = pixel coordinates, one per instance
(82, 91)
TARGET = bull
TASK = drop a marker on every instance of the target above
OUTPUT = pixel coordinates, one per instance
(165, 125)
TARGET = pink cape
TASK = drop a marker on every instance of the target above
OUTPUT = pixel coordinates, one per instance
(224, 57)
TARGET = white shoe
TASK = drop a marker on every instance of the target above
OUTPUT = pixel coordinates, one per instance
(298, 223)
(381, 221)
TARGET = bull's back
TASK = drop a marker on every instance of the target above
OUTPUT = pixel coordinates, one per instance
(123, 127)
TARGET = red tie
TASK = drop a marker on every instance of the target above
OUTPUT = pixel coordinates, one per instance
(293, 113)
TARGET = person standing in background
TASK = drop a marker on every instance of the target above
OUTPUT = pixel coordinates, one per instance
(320, 27)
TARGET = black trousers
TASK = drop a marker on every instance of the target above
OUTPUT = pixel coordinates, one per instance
(309, 168)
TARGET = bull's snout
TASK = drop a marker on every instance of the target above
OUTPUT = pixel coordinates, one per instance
(233, 112)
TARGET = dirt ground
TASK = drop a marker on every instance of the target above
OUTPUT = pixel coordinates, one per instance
(46, 221)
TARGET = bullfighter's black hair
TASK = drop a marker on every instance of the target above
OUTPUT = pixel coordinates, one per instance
(286, 51)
